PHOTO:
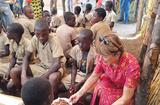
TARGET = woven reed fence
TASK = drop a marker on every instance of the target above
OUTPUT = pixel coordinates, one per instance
(154, 96)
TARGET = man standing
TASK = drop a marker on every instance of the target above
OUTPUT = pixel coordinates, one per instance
(124, 11)
(6, 14)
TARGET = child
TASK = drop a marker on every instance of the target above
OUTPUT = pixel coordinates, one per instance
(55, 19)
(28, 22)
(83, 58)
(87, 15)
(66, 33)
(46, 15)
(77, 11)
(111, 16)
(36, 91)
(18, 47)
(50, 55)
(99, 27)
(4, 43)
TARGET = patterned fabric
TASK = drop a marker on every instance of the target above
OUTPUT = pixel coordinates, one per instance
(36, 4)
(18, 7)
(113, 79)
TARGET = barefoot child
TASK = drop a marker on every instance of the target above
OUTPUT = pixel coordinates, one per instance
(18, 47)
(83, 62)
(50, 55)
(79, 18)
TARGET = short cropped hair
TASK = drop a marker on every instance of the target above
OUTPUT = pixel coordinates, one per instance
(78, 9)
(36, 91)
(88, 6)
(53, 10)
(68, 16)
(16, 28)
(101, 12)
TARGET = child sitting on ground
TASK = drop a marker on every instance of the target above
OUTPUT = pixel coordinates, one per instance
(50, 54)
(66, 33)
(99, 27)
(55, 20)
(79, 18)
(83, 62)
(27, 22)
(87, 16)
(18, 47)
(46, 16)
(111, 15)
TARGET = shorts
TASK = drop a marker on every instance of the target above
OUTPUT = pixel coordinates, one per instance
(37, 70)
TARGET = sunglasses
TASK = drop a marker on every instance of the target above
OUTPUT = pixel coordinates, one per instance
(107, 41)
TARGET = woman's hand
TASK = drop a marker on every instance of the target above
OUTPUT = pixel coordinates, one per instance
(75, 97)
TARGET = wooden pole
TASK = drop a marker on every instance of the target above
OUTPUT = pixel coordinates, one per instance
(150, 63)
(140, 14)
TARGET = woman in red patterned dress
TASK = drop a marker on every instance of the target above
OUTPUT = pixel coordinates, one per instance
(116, 74)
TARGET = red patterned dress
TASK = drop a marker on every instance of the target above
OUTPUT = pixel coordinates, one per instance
(112, 81)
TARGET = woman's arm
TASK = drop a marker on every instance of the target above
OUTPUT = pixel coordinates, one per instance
(88, 84)
(126, 96)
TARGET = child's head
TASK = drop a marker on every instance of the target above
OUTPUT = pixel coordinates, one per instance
(109, 5)
(28, 12)
(46, 15)
(77, 10)
(1, 27)
(53, 10)
(41, 30)
(69, 19)
(99, 15)
(88, 7)
(36, 91)
(15, 31)
(85, 39)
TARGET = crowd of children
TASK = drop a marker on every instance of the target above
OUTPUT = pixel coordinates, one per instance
(51, 42)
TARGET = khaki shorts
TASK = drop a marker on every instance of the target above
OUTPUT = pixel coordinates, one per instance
(67, 79)
(37, 70)
(3, 69)
(4, 60)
